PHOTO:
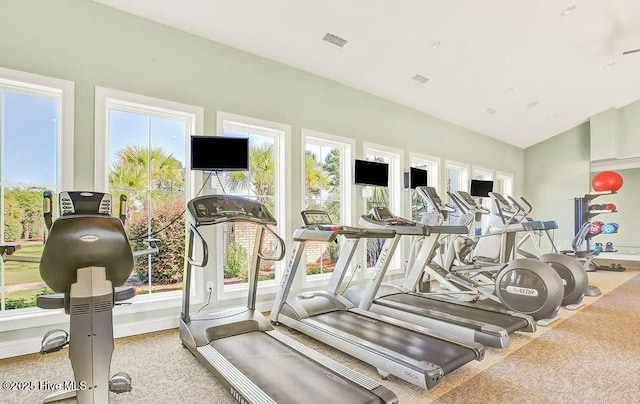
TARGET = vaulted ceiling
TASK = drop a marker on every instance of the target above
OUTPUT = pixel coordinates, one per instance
(518, 71)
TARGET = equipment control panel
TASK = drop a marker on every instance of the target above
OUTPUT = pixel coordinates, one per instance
(383, 214)
(213, 209)
(85, 203)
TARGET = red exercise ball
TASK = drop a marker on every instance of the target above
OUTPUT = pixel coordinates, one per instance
(607, 181)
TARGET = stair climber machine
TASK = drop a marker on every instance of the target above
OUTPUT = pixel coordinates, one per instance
(410, 352)
(467, 323)
(573, 274)
(522, 285)
(254, 361)
(86, 260)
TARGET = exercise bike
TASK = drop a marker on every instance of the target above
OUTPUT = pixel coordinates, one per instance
(86, 260)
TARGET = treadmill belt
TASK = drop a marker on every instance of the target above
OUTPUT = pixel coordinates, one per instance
(420, 347)
(506, 321)
(286, 375)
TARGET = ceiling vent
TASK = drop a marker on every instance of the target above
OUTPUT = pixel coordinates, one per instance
(490, 111)
(334, 40)
(420, 78)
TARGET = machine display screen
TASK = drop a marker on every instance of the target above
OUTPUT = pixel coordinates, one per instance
(315, 217)
(433, 195)
(382, 213)
(500, 198)
(467, 198)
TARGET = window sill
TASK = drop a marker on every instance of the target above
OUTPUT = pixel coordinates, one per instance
(35, 317)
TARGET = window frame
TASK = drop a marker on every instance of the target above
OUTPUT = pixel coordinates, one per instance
(396, 203)
(433, 175)
(63, 92)
(283, 195)
(501, 176)
(106, 99)
(464, 168)
(346, 174)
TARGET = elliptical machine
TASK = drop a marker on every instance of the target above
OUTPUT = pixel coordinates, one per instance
(572, 272)
(523, 285)
(86, 260)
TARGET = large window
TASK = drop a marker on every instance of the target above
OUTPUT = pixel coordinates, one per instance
(36, 153)
(142, 152)
(504, 183)
(327, 186)
(484, 174)
(264, 182)
(384, 196)
(432, 165)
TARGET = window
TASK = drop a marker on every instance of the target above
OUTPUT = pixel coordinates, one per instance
(432, 165)
(36, 154)
(485, 174)
(142, 151)
(264, 182)
(327, 186)
(457, 176)
(381, 196)
(504, 183)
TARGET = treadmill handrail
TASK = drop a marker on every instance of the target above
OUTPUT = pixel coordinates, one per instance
(205, 249)
(282, 247)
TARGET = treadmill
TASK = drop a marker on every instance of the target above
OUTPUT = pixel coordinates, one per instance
(256, 363)
(467, 322)
(412, 353)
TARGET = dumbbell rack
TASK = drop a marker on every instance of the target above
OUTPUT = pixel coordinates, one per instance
(582, 215)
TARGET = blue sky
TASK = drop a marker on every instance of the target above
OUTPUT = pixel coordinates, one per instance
(30, 139)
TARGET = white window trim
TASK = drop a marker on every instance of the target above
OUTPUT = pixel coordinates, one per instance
(346, 173)
(106, 98)
(459, 166)
(500, 175)
(62, 90)
(431, 160)
(284, 216)
(399, 203)
(477, 171)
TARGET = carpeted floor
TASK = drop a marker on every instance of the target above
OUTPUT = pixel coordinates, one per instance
(591, 356)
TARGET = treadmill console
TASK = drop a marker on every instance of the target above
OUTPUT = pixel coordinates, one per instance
(468, 199)
(384, 215)
(85, 203)
(316, 217)
(500, 198)
(214, 209)
(433, 196)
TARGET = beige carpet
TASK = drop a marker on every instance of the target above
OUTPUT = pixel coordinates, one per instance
(590, 356)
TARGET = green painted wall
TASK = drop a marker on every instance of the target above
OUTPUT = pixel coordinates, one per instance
(556, 171)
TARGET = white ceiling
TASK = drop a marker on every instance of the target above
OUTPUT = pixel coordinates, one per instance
(486, 47)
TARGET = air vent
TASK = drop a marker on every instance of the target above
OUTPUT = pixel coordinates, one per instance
(490, 111)
(334, 40)
(420, 78)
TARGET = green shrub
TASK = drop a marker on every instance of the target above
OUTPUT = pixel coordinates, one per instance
(22, 302)
(167, 266)
(267, 277)
(235, 260)
(314, 269)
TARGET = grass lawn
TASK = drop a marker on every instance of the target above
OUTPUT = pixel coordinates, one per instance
(22, 294)
(17, 273)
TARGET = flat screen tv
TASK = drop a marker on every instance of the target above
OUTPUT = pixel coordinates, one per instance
(418, 177)
(371, 173)
(217, 153)
(481, 188)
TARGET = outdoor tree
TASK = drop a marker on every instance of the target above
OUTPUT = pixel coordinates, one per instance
(23, 217)
(260, 177)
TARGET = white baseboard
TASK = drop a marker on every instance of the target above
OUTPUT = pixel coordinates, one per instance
(27, 346)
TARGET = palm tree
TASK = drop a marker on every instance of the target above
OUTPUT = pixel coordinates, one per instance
(316, 179)
(260, 179)
(130, 173)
